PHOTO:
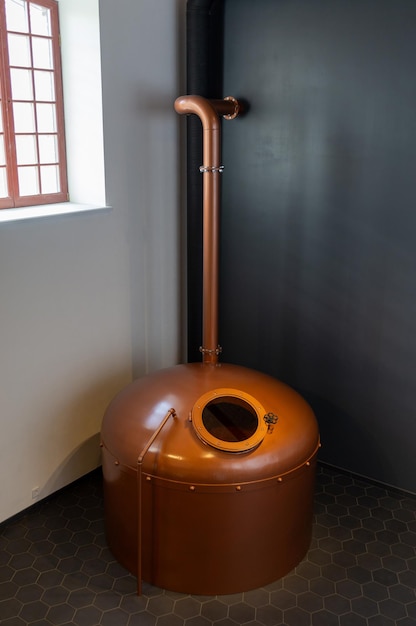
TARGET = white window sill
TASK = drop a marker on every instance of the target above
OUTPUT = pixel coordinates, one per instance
(47, 210)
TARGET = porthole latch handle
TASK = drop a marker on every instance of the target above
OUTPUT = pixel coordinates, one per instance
(270, 419)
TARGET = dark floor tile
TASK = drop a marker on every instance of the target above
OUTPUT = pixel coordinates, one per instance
(269, 615)
(309, 601)
(115, 617)
(241, 613)
(33, 611)
(187, 607)
(324, 618)
(87, 616)
(322, 586)
(160, 605)
(337, 604)
(167, 620)
(349, 589)
(352, 619)
(214, 610)
(296, 617)
(364, 606)
(295, 583)
(257, 597)
(385, 577)
(198, 621)
(60, 614)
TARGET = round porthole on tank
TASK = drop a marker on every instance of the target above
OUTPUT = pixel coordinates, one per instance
(229, 420)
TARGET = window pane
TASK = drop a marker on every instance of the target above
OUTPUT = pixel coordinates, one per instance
(46, 118)
(42, 53)
(21, 84)
(48, 149)
(49, 175)
(16, 15)
(2, 153)
(3, 183)
(40, 23)
(44, 87)
(24, 118)
(28, 181)
(26, 149)
(19, 50)
(34, 112)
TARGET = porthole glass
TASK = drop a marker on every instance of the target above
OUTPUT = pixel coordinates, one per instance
(230, 419)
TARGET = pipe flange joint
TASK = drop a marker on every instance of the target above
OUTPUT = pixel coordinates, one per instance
(234, 114)
(211, 168)
(217, 350)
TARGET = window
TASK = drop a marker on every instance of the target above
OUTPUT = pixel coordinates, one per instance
(32, 145)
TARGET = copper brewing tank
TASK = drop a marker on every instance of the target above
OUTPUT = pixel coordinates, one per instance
(209, 467)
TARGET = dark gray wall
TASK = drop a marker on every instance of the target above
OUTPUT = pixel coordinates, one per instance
(319, 217)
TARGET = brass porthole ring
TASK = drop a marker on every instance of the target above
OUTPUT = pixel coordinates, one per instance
(229, 419)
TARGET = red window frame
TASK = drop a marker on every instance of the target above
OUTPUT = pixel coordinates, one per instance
(14, 198)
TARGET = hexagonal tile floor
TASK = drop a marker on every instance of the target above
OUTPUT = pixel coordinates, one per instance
(55, 567)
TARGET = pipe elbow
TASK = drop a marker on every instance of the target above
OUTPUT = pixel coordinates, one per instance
(201, 107)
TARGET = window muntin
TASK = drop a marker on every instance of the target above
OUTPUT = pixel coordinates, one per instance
(32, 148)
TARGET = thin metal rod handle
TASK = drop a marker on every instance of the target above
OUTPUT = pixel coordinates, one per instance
(170, 413)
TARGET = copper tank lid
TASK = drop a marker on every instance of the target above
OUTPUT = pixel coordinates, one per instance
(189, 450)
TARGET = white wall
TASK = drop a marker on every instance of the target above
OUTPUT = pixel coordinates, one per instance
(142, 60)
(86, 301)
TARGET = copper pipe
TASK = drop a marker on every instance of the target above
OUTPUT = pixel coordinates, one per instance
(208, 112)
(170, 413)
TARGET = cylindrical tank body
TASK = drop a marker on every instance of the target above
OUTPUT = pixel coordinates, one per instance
(221, 501)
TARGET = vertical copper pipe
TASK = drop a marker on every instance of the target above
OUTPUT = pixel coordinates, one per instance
(170, 413)
(208, 112)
